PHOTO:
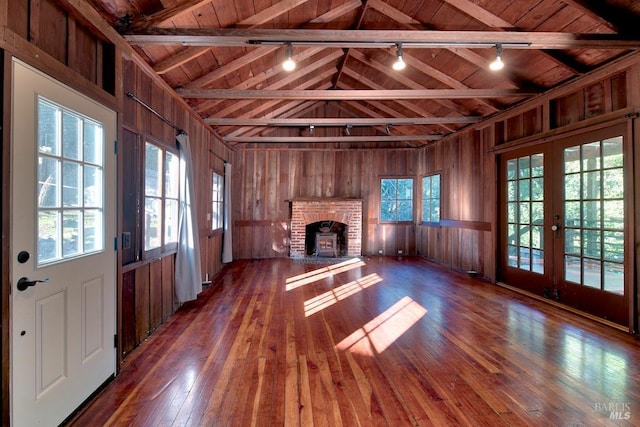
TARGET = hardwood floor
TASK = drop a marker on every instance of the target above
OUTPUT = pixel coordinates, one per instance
(372, 342)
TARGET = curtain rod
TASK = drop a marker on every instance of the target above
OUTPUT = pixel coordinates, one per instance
(164, 119)
(160, 116)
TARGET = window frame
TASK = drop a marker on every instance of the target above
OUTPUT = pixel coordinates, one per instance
(219, 202)
(164, 247)
(422, 218)
(413, 198)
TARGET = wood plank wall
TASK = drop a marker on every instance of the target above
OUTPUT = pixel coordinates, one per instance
(48, 37)
(153, 278)
(267, 179)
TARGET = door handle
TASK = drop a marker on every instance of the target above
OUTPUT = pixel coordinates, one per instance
(24, 283)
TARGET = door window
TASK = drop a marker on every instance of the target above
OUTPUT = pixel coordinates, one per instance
(70, 184)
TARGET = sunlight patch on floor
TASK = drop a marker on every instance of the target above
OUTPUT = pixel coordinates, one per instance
(322, 273)
(378, 334)
(331, 297)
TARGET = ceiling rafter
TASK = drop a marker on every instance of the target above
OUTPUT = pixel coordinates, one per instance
(410, 106)
(191, 53)
(337, 121)
(256, 80)
(467, 54)
(239, 37)
(411, 84)
(270, 106)
(308, 70)
(381, 94)
(331, 139)
(489, 19)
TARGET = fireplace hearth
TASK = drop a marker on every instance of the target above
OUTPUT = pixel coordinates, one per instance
(342, 217)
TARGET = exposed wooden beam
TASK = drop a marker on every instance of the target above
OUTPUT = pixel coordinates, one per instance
(389, 94)
(380, 38)
(340, 121)
(331, 139)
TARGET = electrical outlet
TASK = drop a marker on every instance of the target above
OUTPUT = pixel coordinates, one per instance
(399, 251)
(380, 252)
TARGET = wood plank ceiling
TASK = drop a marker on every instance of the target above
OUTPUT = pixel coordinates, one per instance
(225, 58)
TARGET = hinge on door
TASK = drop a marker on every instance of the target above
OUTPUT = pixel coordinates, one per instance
(115, 147)
(115, 243)
(115, 340)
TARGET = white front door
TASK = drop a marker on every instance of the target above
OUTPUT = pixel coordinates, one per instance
(63, 228)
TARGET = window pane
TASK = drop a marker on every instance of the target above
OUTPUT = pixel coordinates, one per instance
(524, 188)
(612, 152)
(48, 232)
(591, 214)
(405, 189)
(613, 278)
(592, 273)
(405, 210)
(572, 160)
(591, 185)
(524, 167)
(512, 167)
(152, 223)
(48, 182)
(614, 246)
(572, 187)
(388, 189)
(71, 147)
(71, 232)
(93, 238)
(572, 269)
(71, 184)
(591, 156)
(153, 171)
(537, 265)
(171, 221)
(613, 182)
(591, 243)
(93, 141)
(537, 162)
(48, 137)
(388, 211)
(92, 187)
(171, 176)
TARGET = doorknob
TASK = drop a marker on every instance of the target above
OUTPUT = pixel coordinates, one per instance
(24, 283)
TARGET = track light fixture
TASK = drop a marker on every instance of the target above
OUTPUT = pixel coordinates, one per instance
(388, 129)
(399, 64)
(497, 64)
(347, 130)
(289, 64)
(311, 128)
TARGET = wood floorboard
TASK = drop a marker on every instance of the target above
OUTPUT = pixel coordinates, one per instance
(380, 341)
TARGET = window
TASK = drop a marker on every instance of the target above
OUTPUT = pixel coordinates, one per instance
(161, 180)
(431, 198)
(396, 199)
(70, 184)
(216, 201)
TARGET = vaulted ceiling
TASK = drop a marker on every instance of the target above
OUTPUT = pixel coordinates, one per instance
(225, 58)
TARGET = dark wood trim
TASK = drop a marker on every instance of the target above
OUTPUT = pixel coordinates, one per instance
(468, 225)
(5, 239)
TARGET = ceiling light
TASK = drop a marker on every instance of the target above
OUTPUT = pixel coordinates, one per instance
(497, 64)
(388, 129)
(289, 64)
(347, 130)
(399, 64)
(311, 128)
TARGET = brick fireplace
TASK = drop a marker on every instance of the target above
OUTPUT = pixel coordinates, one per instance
(308, 211)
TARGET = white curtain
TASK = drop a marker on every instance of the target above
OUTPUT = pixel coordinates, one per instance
(188, 269)
(227, 242)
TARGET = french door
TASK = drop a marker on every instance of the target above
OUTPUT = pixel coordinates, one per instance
(563, 222)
